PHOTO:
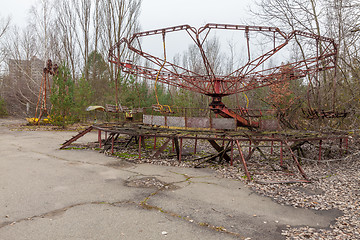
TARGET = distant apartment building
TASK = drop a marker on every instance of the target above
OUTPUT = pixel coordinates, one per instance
(21, 86)
(23, 70)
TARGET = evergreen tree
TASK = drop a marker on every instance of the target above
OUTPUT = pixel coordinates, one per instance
(62, 97)
(83, 98)
(99, 79)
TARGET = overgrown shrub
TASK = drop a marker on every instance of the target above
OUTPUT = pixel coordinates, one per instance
(3, 110)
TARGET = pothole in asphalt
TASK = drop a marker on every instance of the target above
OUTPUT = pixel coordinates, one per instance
(149, 182)
(119, 164)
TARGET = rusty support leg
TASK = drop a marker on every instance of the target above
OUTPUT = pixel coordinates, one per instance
(296, 161)
(232, 153)
(243, 161)
(320, 146)
(176, 146)
(112, 144)
(281, 153)
(272, 145)
(79, 135)
(249, 147)
(161, 149)
(195, 144)
(219, 149)
(99, 138)
(140, 140)
(173, 145)
(180, 149)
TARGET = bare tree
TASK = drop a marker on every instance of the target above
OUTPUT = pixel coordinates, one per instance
(304, 15)
(42, 23)
(4, 27)
(343, 22)
(82, 30)
(120, 20)
(69, 31)
(66, 22)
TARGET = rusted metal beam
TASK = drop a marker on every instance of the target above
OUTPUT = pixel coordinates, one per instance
(76, 137)
(243, 161)
(296, 161)
(219, 149)
(177, 148)
(180, 149)
(195, 144)
(140, 140)
(142, 133)
(99, 138)
(247, 77)
(161, 149)
(112, 143)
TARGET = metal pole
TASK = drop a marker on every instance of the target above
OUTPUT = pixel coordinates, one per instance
(112, 144)
(195, 144)
(249, 146)
(232, 153)
(281, 153)
(173, 145)
(140, 147)
(99, 138)
(180, 149)
(243, 161)
(320, 145)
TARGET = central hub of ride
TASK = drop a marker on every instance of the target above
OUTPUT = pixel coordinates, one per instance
(216, 103)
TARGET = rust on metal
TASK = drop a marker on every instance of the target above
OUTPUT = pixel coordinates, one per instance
(243, 161)
(250, 76)
(177, 136)
(76, 137)
(45, 89)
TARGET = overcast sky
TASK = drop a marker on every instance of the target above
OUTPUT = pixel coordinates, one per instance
(17, 9)
(163, 13)
(160, 13)
(157, 14)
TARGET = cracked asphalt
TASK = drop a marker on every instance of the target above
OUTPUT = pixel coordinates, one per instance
(47, 193)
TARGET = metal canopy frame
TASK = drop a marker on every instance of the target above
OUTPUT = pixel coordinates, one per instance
(243, 79)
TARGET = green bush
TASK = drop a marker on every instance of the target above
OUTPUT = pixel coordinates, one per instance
(3, 110)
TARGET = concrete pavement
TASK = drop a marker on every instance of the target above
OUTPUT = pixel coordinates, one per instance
(47, 193)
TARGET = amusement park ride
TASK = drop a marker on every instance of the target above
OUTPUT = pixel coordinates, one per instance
(321, 56)
(44, 91)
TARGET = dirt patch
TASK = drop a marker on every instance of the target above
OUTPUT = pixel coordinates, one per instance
(309, 191)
